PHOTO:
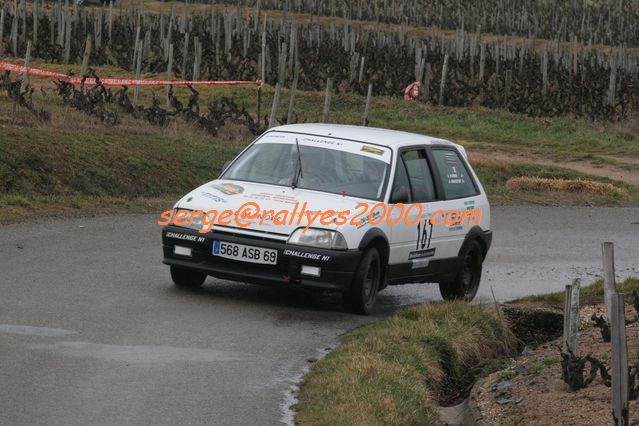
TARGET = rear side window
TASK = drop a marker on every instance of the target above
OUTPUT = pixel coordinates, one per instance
(454, 174)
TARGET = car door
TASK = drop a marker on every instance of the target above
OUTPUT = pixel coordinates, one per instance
(411, 238)
(458, 192)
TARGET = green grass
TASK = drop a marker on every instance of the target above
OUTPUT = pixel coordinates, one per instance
(15, 207)
(76, 156)
(557, 138)
(588, 295)
(393, 372)
(76, 164)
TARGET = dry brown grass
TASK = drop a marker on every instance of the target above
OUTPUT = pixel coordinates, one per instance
(526, 183)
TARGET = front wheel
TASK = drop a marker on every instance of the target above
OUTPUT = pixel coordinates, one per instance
(466, 283)
(187, 278)
(363, 292)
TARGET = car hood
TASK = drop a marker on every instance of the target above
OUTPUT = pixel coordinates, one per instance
(232, 195)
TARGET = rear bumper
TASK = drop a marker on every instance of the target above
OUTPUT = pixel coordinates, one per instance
(336, 267)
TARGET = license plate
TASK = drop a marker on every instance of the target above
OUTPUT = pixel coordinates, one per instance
(244, 253)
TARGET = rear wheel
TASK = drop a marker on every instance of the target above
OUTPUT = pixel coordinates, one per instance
(363, 292)
(466, 283)
(187, 278)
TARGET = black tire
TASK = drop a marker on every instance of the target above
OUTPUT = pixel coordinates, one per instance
(360, 299)
(466, 283)
(187, 278)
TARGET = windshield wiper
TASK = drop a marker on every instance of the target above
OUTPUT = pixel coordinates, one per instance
(298, 166)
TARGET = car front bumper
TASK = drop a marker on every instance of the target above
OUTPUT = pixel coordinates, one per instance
(337, 267)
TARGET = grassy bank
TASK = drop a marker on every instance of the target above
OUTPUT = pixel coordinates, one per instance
(563, 138)
(497, 176)
(75, 163)
(394, 371)
(588, 295)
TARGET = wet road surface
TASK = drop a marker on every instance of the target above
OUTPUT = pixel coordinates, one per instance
(92, 330)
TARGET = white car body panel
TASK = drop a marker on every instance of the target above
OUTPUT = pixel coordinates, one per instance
(446, 240)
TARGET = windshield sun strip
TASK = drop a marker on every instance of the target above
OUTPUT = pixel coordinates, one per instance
(384, 182)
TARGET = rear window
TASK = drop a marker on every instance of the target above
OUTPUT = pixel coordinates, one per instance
(455, 177)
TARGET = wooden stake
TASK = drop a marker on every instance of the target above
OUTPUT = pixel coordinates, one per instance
(67, 41)
(291, 103)
(619, 361)
(574, 314)
(263, 70)
(136, 50)
(276, 102)
(86, 56)
(482, 62)
(138, 70)
(442, 84)
(361, 70)
(35, 23)
(367, 108)
(507, 85)
(327, 100)
(169, 75)
(14, 32)
(25, 74)
(608, 256)
(612, 84)
(110, 20)
(566, 343)
(185, 52)
(2, 30)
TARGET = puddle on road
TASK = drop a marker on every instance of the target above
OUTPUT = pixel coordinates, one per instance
(34, 331)
(140, 354)
(290, 394)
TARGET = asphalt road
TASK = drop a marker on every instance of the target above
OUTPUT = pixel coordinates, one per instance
(92, 330)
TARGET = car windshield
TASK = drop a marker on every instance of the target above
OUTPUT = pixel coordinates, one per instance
(328, 165)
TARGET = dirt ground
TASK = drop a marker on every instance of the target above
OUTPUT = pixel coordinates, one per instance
(532, 392)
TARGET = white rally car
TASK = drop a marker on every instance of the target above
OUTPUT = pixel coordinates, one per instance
(341, 168)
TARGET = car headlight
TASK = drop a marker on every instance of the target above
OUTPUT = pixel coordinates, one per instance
(188, 220)
(320, 238)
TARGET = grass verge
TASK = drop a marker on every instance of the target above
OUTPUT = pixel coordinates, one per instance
(560, 138)
(13, 208)
(395, 371)
(76, 159)
(495, 177)
(589, 295)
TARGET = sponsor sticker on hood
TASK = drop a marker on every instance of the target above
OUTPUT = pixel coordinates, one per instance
(228, 188)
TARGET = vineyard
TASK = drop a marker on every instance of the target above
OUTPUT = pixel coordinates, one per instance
(540, 58)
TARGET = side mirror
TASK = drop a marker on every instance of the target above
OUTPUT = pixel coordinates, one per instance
(225, 166)
(400, 195)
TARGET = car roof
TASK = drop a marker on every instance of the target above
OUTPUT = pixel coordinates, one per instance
(385, 137)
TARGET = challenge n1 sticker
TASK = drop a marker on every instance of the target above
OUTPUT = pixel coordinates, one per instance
(372, 150)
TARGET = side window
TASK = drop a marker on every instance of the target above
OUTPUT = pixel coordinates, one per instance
(419, 175)
(401, 178)
(454, 174)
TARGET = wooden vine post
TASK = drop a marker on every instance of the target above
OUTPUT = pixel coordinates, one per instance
(327, 100)
(276, 101)
(367, 108)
